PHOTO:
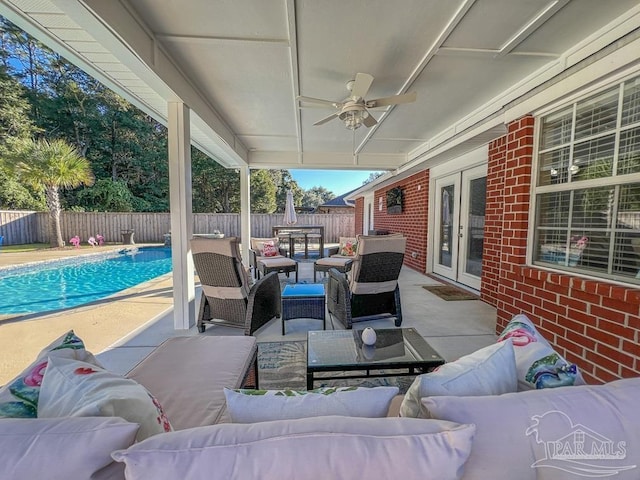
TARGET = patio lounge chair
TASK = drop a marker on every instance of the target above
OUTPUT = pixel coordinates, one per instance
(227, 295)
(256, 251)
(373, 285)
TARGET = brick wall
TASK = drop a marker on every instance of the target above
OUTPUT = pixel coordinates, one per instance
(595, 324)
(413, 219)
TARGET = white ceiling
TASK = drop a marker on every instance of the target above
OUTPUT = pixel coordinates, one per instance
(240, 64)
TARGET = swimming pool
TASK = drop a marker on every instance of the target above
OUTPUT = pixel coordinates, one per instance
(72, 282)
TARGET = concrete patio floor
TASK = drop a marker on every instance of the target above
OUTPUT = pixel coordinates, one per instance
(453, 328)
(125, 328)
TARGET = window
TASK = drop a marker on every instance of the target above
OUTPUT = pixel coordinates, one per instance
(587, 197)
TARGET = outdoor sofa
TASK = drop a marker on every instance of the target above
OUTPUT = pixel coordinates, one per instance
(487, 422)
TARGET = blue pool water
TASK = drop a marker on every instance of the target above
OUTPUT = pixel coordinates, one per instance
(72, 282)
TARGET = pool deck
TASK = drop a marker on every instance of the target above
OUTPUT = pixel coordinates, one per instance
(100, 324)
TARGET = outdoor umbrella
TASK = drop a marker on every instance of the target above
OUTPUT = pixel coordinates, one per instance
(289, 210)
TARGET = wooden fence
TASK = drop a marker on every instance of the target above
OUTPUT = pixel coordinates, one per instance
(20, 227)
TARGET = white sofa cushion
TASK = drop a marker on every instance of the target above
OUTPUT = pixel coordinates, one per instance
(538, 364)
(78, 389)
(488, 371)
(248, 406)
(524, 435)
(60, 448)
(19, 397)
(310, 448)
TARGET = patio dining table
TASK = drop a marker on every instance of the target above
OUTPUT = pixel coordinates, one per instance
(306, 231)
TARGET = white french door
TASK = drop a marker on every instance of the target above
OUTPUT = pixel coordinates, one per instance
(459, 225)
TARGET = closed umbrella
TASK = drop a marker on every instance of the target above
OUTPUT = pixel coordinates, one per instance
(289, 210)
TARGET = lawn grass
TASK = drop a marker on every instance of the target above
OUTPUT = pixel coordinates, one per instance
(31, 247)
(28, 247)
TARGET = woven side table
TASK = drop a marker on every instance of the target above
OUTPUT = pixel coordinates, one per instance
(303, 300)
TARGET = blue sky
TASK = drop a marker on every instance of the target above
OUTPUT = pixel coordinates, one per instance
(337, 181)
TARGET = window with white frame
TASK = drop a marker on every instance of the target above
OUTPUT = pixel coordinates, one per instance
(587, 196)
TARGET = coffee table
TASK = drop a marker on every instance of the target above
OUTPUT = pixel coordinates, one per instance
(399, 351)
(303, 300)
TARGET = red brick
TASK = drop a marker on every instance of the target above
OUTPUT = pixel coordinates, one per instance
(602, 361)
(604, 376)
(616, 328)
(620, 305)
(603, 337)
(615, 355)
(608, 314)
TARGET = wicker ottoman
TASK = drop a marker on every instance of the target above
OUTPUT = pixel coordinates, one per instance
(343, 265)
(303, 300)
(279, 264)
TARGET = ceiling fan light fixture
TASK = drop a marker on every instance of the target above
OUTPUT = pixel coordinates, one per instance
(352, 119)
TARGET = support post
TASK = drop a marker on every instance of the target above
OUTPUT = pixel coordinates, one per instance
(245, 212)
(181, 216)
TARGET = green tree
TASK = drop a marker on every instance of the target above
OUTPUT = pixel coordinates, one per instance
(285, 182)
(372, 176)
(15, 125)
(215, 189)
(49, 167)
(316, 196)
(106, 196)
(263, 192)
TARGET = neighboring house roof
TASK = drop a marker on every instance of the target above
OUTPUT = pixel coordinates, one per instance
(339, 201)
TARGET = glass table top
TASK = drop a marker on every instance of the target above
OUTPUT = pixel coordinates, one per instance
(303, 290)
(344, 348)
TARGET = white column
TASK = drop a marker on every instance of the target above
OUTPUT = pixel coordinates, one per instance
(184, 305)
(245, 213)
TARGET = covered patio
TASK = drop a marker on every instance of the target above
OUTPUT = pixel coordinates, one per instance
(228, 77)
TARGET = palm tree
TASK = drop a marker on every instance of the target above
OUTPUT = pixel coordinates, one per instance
(50, 166)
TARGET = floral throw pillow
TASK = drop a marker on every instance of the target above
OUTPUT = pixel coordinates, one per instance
(269, 249)
(537, 363)
(19, 397)
(348, 247)
(78, 389)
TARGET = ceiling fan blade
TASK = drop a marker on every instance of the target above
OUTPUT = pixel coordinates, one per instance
(319, 101)
(361, 85)
(394, 100)
(326, 119)
(369, 121)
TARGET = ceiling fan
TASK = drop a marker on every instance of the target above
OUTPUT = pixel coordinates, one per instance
(353, 110)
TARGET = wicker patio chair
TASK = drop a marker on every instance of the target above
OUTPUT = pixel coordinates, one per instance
(227, 295)
(256, 251)
(372, 288)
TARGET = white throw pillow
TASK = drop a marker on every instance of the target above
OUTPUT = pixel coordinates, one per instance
(331, 447)
(60, 448)
(78, 389)
(488, 371)
(563, 433)
(538, 364)
(248, 406)
(19, 397)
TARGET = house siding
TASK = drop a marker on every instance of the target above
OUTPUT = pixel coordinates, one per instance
(595, 324)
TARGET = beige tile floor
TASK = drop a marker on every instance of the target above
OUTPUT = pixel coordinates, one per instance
(126, 327)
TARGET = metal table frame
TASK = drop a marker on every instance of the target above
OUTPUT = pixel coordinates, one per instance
(304, 229)
(423, 356)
